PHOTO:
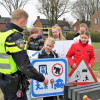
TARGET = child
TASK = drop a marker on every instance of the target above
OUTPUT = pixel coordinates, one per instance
(83, 27)
(35, 40)
(56, 33)
(46, 52)
(79, 49)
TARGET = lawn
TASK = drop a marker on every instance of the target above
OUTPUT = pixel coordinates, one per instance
(96, 44)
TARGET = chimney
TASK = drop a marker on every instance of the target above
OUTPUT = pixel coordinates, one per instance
(64, 19)
(77, 20)
(38, 17)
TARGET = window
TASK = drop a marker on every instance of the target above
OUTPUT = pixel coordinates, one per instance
(66, 30)
(74, 28)
(45, 30)
(96, 20)
(45, 26)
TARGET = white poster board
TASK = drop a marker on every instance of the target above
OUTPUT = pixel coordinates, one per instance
(32, 54)
(62, 47)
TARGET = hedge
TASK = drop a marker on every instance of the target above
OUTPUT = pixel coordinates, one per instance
(70, 35)
(95, 36)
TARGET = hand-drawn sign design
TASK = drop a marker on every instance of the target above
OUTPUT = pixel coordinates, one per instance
(82, 74)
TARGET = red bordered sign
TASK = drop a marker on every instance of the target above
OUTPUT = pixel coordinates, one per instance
(57, 69)
(82, 74)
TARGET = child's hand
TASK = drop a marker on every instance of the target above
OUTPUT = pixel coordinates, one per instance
(74, 66)
(89, 66)
(30, 81)
(68, 78)
(40, 47)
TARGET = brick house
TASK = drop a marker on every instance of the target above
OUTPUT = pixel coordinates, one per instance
(3, 21)
(95, 22)
(43, 23)
(76, 26)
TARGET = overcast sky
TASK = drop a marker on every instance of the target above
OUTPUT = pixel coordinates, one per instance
(30, 8)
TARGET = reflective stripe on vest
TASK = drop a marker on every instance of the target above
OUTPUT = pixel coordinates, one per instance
(5, 59)
(5, 66)
(4, 55)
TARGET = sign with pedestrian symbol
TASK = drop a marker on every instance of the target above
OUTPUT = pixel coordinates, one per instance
(55, 69)
(82, 74)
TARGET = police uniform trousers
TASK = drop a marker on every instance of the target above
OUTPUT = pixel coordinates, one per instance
(9, 88)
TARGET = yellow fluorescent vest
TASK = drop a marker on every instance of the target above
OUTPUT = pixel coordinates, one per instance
(7, 64)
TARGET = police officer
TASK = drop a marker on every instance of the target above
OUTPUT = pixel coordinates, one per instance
(14, 60)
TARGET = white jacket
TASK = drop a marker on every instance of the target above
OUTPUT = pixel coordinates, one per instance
(76, 39)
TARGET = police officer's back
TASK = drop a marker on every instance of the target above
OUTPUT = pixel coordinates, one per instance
(14, 61)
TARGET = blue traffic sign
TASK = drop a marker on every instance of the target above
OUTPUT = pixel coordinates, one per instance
(55, 69)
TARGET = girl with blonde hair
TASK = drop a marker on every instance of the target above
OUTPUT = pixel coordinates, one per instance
(56, 33)
(47, 52)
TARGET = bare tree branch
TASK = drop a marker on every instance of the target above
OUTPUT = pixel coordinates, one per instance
(53, 9)
(85, 9)
(11, 5)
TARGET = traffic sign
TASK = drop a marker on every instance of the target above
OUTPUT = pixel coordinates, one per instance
(82, 74)
(55, 69)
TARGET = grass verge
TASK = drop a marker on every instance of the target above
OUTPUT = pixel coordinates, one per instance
(96, 44)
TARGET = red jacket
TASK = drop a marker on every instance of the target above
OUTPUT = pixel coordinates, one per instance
(79, 49)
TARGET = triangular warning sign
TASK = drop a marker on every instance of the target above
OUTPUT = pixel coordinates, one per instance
(82, 74)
